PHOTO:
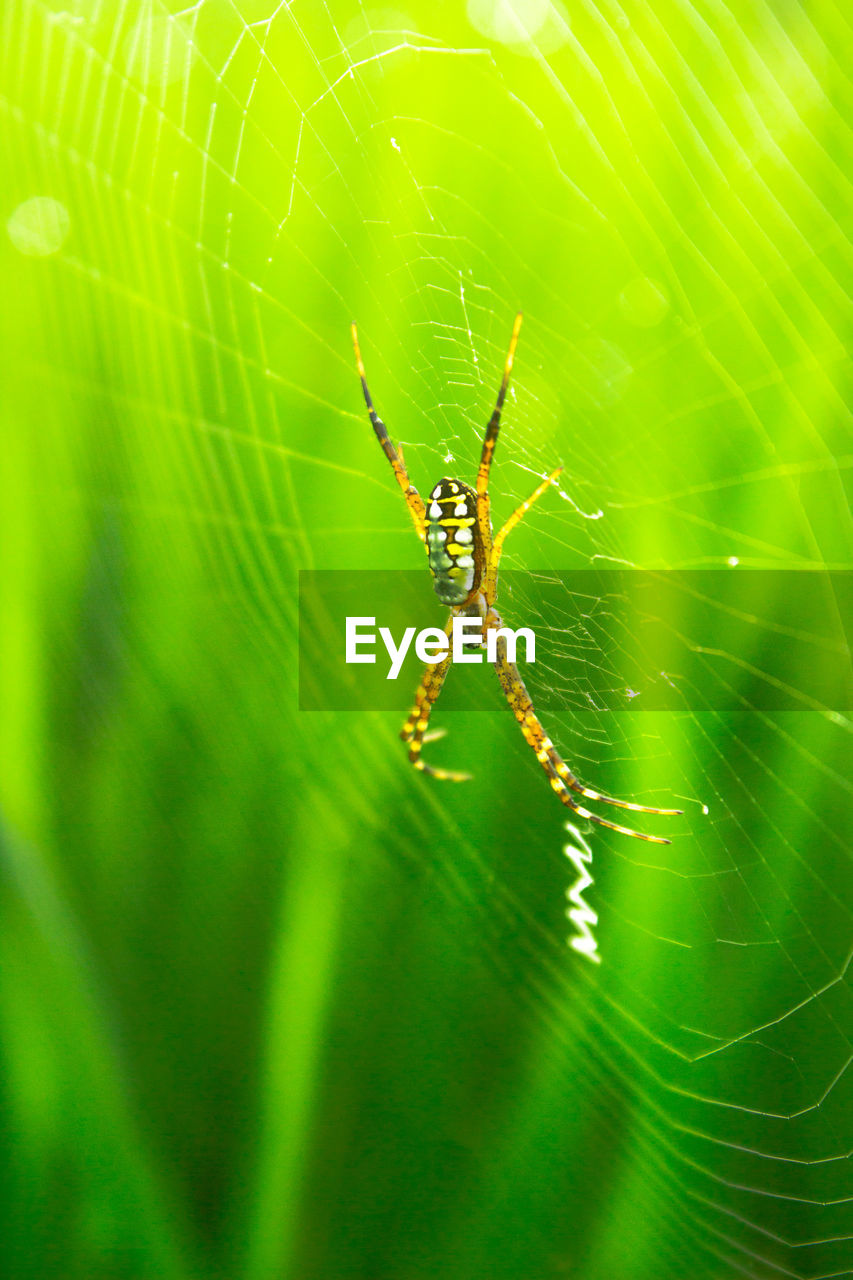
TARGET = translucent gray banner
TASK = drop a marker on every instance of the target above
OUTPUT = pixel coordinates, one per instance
(734, 639)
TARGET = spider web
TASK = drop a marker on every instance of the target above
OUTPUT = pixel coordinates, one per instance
(661, 192)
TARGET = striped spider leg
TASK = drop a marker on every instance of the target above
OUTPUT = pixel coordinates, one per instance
(464, 557)
(562, 780)
(414, 730)
(414, 501)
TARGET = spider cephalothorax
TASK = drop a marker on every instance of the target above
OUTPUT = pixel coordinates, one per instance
(456, 527)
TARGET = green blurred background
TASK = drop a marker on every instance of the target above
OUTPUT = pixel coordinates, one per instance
(272, 1004)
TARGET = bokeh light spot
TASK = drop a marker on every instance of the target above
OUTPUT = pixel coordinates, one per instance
(39, 226)
(644, 303)
(157, 49)
(527, 26)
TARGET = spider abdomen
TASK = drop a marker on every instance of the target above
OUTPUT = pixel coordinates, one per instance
(452, 541)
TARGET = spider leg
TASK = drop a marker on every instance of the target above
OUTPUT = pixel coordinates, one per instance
(581, 790)
(562, 780)
(490, 439)
(410, 493)
(414, 731)
(491, 578)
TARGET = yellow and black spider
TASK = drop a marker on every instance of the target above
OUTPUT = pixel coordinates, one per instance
(464, 557)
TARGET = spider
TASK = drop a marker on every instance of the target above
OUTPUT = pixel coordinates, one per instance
(456, 529)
